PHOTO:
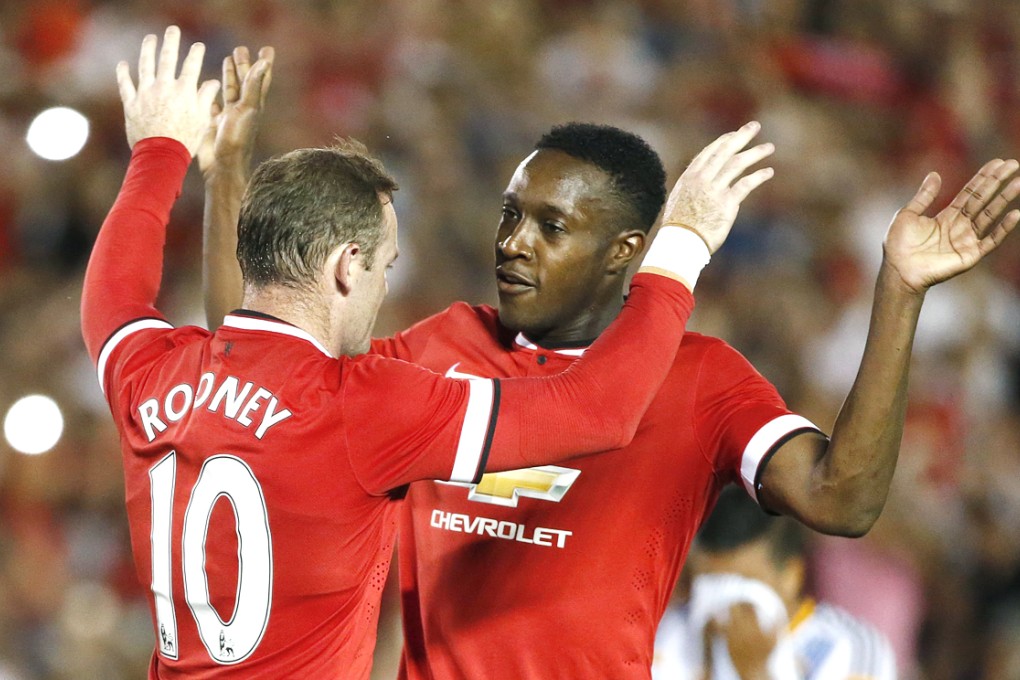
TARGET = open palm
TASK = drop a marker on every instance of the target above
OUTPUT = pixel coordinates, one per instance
(230, 138)
(928, 250)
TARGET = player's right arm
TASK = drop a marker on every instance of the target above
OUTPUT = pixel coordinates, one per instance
(164, 117)
(598, 402)
(224, 158)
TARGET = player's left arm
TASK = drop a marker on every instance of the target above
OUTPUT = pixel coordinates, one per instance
(840, 486)
(164, 117)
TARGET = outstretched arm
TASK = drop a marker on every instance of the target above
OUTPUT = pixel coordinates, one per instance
(164, 118)
(840, 486)
(224, 158)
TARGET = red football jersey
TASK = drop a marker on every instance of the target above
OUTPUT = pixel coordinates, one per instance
(563, 571)
(258, 468)
(246, 504)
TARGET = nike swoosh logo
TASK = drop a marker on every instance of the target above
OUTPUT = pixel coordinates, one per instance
(452, 372)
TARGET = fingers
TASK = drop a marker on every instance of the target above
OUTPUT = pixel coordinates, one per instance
(984, 199)
(699, 161)
(166, 70)
(242, 61)
(737, 165)
(970, 199)
(253, 88)
(267, 54)
(991, 213)
(984, 191)
(746, 185)
(124, 84)
(724, 149)
(163, 104)
(214, 116)
(999, 234)
(237, 86)
(191, 70)
(925, 195)
(231, 85)
(207, 96)
(147, 61)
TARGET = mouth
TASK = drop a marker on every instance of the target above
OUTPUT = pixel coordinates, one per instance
(511, 282)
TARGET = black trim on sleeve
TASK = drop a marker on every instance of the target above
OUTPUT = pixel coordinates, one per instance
(124, 325)
(490, 433)
(771, 452)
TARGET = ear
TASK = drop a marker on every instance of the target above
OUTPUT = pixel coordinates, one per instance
(625, 247)
(343, 260)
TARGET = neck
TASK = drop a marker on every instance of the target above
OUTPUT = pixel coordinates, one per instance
(292, 305)
(585, 327)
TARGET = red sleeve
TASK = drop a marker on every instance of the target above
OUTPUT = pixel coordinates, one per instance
(126, 265)
(391, 347)
(427, 426)
(407, 422)
(409, 344)
(597, 403)
(739, 417)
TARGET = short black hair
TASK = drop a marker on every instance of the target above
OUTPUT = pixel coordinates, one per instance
(634, 168)
(737, 521)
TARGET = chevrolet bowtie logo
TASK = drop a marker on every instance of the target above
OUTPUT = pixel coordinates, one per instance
(548, 483)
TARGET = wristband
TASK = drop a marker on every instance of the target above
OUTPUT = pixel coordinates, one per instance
(677, 252)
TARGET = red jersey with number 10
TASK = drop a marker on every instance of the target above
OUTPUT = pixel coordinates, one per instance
(563, 571)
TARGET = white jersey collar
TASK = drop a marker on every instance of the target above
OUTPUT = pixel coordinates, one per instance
(522, 341)
(252, 323)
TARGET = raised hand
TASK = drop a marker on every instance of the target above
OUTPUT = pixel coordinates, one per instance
(163, 105)
(709, 192)
(228, 143)
(928, 250)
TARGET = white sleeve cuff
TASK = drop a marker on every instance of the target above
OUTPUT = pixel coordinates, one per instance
(677, 252)
(764, 442)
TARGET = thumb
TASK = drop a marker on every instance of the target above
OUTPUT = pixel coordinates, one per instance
(925, 195)
(207, 95)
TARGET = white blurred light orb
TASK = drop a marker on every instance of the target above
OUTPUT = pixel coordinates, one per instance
(57, 134)
(33, 424)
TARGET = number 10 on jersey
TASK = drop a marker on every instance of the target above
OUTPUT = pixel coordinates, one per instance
(229, 478)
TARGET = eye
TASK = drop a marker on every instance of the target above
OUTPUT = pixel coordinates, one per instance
(509, 213)
(554, 227)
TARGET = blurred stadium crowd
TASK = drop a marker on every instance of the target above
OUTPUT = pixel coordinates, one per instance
(861, 99)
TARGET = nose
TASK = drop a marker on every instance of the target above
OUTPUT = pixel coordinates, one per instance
(517, 243)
